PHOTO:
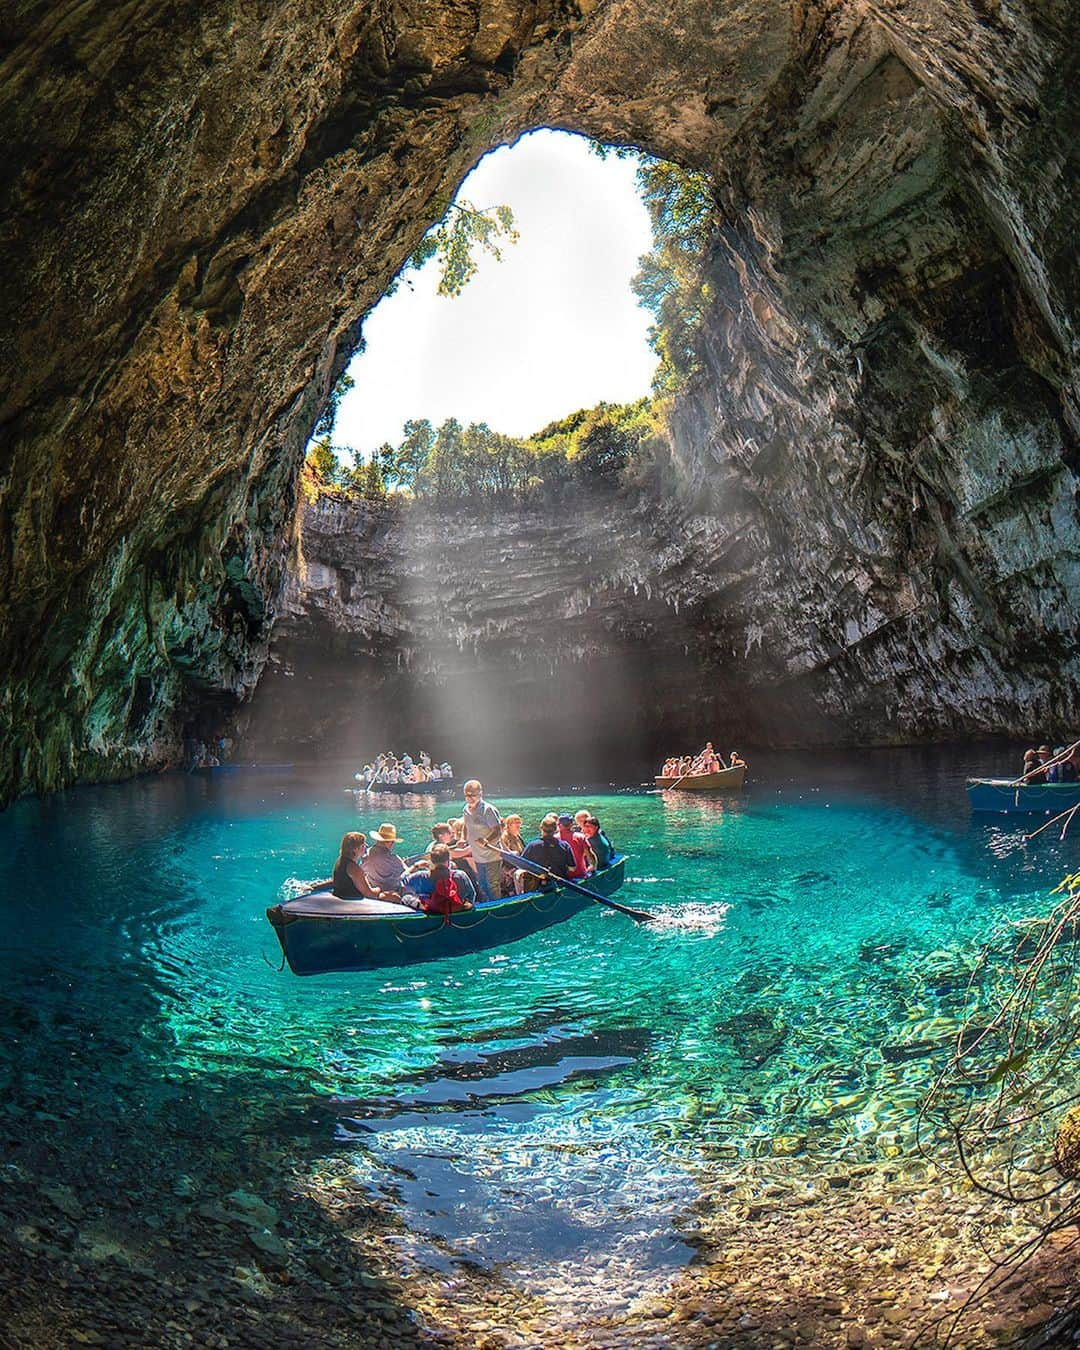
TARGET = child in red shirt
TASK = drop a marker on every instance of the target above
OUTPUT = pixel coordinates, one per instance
(444, 898)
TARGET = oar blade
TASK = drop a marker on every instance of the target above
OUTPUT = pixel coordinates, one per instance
(639, 915)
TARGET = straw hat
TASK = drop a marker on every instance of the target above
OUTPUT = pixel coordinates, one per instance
(387, 833)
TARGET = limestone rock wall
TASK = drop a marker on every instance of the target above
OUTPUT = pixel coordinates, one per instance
(527, 640)
(201, 204)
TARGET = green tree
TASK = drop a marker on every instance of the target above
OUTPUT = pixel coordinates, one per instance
(602, 446)
(673, 278)
(403, 465)
(444, 474)
(452, 241)
(324, 427)
(323, 462)
(370, 481)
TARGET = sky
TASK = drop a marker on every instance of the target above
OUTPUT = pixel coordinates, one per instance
(551, 328)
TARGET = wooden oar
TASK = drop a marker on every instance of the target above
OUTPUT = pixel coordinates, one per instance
(639, 914)
(1069, 811)
(671, 787)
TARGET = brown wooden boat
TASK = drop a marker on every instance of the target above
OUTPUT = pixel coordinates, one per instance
(705, 782)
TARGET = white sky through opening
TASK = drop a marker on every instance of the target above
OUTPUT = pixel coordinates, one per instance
(551, 328)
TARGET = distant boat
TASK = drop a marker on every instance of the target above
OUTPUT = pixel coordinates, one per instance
(320, 933)
(704, 782)
(1030, 799)
(436, 785)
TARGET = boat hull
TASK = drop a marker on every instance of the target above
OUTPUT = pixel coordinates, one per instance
(429, 789)
(320, 934)
(1000, 796)
(705, 782)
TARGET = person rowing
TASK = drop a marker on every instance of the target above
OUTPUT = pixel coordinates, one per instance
(550, 852)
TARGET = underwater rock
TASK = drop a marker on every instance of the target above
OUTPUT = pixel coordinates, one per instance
(755, 1035)
(1067, 1144)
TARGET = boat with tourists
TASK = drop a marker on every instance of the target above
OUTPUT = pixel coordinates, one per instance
(704, 782)
(388, 773)
(1007, 796)
(703, 772)
(320, 934)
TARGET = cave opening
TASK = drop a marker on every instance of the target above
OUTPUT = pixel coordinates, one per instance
(456, 582)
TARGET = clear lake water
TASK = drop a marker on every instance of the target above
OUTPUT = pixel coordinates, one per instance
(551, 1109)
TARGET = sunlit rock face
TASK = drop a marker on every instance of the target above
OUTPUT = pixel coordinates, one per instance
(525, 640)
(200, 207)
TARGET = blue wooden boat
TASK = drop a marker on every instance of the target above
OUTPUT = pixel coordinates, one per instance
(320, 933)
(1001, 795)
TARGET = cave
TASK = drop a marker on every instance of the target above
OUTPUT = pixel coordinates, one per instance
(876, 515)
(862, 532)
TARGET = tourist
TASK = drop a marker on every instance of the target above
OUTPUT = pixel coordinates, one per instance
(706, 761)
(549, 851)
(443, 834)
(350, 883)
(445, 897)
(580, 817)
(602, 847)
(483, 828)
(577, 843)
(1070, 766)
(350, 880)
(512, 842)
(422, 879)
(1050, 771)
(736, 762)
(383, 868)
(1032, 771)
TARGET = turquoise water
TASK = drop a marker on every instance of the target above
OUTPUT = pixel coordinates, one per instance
(557, 1102)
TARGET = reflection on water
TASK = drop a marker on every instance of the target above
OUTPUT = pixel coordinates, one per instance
(550, 1108)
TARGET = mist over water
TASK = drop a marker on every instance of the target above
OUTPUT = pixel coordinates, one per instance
(552, 1106)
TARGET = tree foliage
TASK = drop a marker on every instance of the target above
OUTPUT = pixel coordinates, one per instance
(672, 282)
(324, 427)
(464, 229)
(323, 462)
(594, 445)
(602, 447)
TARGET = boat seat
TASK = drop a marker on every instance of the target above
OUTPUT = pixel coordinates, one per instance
(324, 905)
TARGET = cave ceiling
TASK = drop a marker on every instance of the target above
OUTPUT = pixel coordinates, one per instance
(202, 202)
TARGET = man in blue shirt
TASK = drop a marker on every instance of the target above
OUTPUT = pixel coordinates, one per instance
(549, 851)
